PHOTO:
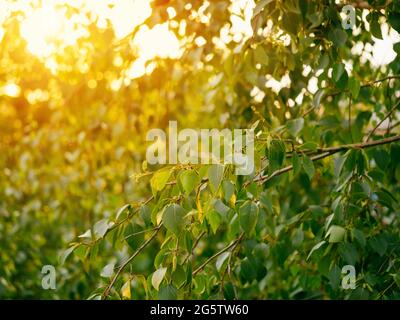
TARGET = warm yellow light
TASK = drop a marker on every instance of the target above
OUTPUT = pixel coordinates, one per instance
(47, 29)
(151, 43)
(11, 90)
(40, 28)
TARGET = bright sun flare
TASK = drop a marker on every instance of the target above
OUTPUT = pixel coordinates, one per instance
(46, 27)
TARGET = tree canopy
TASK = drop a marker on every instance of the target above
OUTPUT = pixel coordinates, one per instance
(322, 95)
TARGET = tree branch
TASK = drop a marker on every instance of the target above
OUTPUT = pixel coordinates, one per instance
(196, 242)
(326, 152)
(123, 266)
(380, 122)
(365, 85)
(205, 263)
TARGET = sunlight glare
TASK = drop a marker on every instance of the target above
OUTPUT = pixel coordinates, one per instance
(47, 29)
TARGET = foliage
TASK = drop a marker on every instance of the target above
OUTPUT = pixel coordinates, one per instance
(325, 191)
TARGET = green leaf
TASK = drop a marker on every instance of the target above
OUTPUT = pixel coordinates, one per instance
(348, 253)
(100, 228)
(375, 27)
(266, 202)
(315, 248)
(189, 180)
(173, 218)
(229, 189)
(133, 235)
(178, 277)
(158, 277)
(126, 290)
(276, 155)
(323, 61)
(124, 208)
(229, 291)
(296, 163)
(396, 48)
(247, 271)
(378, 244)
(260, 6)
(303, 5)
(221, 208)
(86, 235)
(298, 237)
(213, 219)
(168, 292)
(308, 166)
(294, 126)
(159, 180)
(382, 158)
(215, 175)
(221, 260)
(145, 214)
(359, 237)
(354, 87)
(260, 56)
(108, 270)
(65, 254)
(337, 72)
(248, 215)
(336, 234)
(291, 22)
(317, 98)
(334, 277)
(394, 20)
(338, 36)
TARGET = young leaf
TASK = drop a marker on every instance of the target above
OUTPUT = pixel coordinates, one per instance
(294, 126)
(340, 76)
(336, 234)
(296, 163)
(126, 290)
(215, 175)
(248, 215)
(375, 27)
(354, 87)
(107, 271)
(338, 36)
(66, 253)
(213, 219)
(317, 97)
(189, 180)
(173, 218)
(276, 155)
(316, 247)
(160, 179)
(100, 228)
(158, 277)
(221, 260)
(308, 166)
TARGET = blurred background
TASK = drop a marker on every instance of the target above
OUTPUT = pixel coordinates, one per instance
(81, 82)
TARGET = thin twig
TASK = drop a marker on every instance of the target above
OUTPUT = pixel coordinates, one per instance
(123, 266)
(365, 85)
(384, 118)
(137, 233)
(228, 266)
(196, 242)
(205, 263)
